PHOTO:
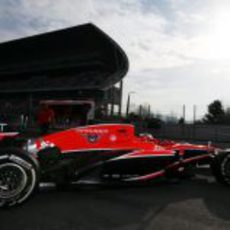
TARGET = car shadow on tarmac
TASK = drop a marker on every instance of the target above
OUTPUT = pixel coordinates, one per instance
(189, 204)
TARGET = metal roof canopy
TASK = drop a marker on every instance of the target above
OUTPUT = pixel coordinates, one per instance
(81, 57)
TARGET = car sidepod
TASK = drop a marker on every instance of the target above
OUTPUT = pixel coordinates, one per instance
(137, 166)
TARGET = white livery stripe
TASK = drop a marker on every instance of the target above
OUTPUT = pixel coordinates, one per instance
(88, 150)
(131, 156)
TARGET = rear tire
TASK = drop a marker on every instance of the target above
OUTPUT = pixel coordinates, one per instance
(18, 176)
(221, 167)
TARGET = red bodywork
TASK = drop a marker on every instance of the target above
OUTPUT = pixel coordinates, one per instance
(7, 135)
(113, 138)
(117, 137)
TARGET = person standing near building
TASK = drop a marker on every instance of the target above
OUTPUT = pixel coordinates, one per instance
(45, 118)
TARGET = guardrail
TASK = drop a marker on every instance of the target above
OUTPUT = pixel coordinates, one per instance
(215, 133)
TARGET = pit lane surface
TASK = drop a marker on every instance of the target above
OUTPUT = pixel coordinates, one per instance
(199, 203)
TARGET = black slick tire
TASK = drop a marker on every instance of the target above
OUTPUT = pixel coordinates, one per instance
(19, 176)
(221, 167)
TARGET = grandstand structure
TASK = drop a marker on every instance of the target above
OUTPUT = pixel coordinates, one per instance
(76, 64)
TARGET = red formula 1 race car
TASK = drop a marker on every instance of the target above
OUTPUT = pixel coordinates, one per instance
(108, 153)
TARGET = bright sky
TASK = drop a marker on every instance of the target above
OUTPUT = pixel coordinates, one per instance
(179, 50)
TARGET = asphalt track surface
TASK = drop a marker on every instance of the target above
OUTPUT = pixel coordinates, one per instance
(199, 203)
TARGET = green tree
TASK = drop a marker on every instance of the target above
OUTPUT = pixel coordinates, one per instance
(216, 113)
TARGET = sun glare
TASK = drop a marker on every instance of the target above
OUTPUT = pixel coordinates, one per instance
(219, 38)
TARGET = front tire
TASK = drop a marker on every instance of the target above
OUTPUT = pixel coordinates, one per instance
(18, 176)
(221, 167)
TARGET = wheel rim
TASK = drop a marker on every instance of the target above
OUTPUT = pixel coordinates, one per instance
(13, 179)
(226, 167)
